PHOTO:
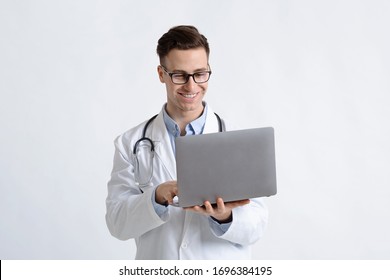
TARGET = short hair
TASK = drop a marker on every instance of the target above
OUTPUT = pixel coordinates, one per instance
(182, 37)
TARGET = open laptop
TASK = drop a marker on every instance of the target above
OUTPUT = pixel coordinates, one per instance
(233, 165)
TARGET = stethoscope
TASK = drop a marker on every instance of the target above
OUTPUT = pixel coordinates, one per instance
(137, 172)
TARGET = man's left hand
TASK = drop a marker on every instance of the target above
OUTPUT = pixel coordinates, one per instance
(222, 212)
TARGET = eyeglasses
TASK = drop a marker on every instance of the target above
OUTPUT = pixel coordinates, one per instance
(199, 77)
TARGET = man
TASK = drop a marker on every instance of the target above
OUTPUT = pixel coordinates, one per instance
(141, 208)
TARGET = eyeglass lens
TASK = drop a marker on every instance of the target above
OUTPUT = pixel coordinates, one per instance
(199, 77)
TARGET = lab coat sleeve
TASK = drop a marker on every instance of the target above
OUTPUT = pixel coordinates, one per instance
(130, 212)
(248, 225)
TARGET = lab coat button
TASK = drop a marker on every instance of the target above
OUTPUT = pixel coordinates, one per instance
(184, 245)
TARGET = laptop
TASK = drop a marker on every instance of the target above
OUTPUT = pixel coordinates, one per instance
(233, 165)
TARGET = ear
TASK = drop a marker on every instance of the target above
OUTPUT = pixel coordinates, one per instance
(160, 72)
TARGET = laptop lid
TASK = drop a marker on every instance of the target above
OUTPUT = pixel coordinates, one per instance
(233, 165)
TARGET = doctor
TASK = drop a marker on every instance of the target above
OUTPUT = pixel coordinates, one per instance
(144, 210)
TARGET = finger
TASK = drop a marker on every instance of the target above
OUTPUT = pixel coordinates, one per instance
(220, 204)
(234, 204)
(196, 208)
(244, 201)
(169, 200)
(208, 207)
(173, 191)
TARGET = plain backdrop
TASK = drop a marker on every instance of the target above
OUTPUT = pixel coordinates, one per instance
(75, 74)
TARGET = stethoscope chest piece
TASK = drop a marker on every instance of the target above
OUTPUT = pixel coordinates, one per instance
(143, 170)
(143, 156)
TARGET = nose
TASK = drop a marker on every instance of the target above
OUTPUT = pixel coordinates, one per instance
(190, 85)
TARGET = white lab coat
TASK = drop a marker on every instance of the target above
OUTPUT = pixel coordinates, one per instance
(179, 234)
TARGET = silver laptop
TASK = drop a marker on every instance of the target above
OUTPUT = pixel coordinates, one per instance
(233, 165)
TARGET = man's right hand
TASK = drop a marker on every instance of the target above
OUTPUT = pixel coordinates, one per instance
(166, 192)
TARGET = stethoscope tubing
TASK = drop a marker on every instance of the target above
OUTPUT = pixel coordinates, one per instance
(144, 138)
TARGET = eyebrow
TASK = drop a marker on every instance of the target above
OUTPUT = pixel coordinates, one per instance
(185, 72)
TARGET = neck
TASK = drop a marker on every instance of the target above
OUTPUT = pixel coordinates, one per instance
(183, 118)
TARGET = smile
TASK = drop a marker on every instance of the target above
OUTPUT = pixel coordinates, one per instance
(189, 95)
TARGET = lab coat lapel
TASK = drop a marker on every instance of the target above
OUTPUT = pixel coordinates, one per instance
(211, 124)
(163, 148)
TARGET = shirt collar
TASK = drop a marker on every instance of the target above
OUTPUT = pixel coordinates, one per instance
(194, 127)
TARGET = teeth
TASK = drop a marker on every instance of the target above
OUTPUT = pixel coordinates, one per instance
(189, 95)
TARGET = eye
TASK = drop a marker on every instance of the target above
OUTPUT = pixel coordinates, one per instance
(201, 74)
(179, 76)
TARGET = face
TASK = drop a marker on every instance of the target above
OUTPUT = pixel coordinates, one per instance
(184, 100)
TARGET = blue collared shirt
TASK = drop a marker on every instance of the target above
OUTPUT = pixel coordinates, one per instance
(193, 128)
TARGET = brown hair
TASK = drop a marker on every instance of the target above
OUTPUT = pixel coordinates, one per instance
(182, 37)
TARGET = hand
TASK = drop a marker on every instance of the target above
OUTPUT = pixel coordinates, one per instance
(166, 192)
(222, 212)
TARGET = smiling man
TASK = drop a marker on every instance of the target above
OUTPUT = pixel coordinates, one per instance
(142, 187)
(185, 93)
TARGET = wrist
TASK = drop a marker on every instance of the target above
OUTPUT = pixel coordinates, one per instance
(227, 220)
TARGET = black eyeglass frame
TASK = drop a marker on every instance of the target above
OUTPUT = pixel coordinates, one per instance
(187, 75)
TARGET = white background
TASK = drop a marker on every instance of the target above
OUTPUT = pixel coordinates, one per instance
(75, 74)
